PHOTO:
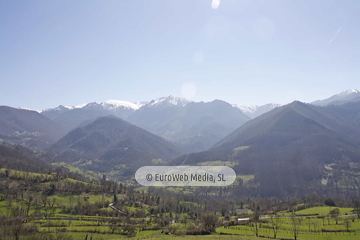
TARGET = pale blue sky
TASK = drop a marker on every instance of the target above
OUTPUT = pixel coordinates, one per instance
(244, 52)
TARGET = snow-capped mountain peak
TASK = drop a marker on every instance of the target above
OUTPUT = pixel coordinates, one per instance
(246, 108)
(57, 109)
(174, 100)
(339, 98)
(113, 104)
(77, 106)
(29, 109)
(63, 108)
(348, 92)
(254, 111)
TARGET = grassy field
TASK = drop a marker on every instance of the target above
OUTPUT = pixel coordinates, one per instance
(88, 174)
(98, 227)
(26, 175)
(287, 234)
(60, 212)
(324, 211)
(319, 226)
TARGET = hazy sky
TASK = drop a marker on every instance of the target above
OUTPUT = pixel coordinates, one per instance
(240, 51)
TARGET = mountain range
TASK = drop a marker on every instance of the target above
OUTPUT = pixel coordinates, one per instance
(288, 150)
(194, 125)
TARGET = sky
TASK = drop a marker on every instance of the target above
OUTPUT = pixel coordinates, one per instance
(240, 51)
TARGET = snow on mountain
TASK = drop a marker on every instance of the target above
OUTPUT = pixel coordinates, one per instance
(122, 109)
(174, 100)
(340, 98)
(114, 104)
(108, 105)
(348, 92)
(62, 108)
(77, 106)
(59, 108)
(29, 109)
(254, 111)
(247, 109)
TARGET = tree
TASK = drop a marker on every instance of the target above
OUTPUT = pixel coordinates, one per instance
(28, 200)
(255, 220)
(16, 227)
(347, 224)
(209, 222)
(44, 198)
(255, 226)
(357, 208)
(335, 214)
(113, 225)
(310, 223)
(295, 224)
(275, 224)
(51, 205)
(330, 202)
(129, 230)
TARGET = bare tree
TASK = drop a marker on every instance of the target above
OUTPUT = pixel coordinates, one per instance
(209, 222)
(44, 199)
(335, 214)
(16, 227)
(28, 200)
(310, 223)
(295, 224)
(347, 224)
(357, 208)
(275, 224)
(255, 220)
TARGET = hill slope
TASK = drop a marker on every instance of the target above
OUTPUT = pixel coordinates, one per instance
(17, 157)
(112, 144)
(29, 128)
(287, 149)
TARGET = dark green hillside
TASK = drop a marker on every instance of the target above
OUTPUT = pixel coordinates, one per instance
(112, 144)
(29, 128)
(23, 159)
(16, 158)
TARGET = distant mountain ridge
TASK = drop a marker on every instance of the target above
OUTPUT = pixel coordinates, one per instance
(171, 117)
(250, 110)
(194, 125)
(175, 119)
(352, 95)
(116, 107)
